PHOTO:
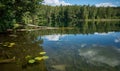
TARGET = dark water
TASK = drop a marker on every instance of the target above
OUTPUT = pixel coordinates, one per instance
(87, 47)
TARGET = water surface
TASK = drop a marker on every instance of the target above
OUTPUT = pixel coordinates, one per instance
(87, 47)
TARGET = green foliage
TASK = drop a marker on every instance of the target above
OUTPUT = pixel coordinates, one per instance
(12, 12)
(23, 12)
(61, 16)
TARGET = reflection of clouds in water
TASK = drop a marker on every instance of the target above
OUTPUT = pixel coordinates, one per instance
(109, 61)
(83, 45)
(106, 55)
(55, 37)
(88, 54)
(117, 40)
(96, 33)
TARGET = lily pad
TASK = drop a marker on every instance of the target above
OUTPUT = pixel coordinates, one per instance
(11, 44)
(28, 56)
(45, 57)
(16, 25)
(42, 53)
(38, 58)
(31, 61)
(6, 44)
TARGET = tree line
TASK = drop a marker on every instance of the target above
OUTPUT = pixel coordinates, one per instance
(55, 15)
(13, 12)
(25, 12)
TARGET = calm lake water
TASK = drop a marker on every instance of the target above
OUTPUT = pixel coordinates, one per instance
(87, 47)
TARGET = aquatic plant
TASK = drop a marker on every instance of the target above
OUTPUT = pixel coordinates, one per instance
(31, 61)
(11, 44)
(36, 59)
(8, 44)
(42, 53)
(28, 57)
(45, 57)
(16, 25)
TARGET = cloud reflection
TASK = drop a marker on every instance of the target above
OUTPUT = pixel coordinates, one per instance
(105, 55)
(117, 40)
(55, 37)
(96, 33)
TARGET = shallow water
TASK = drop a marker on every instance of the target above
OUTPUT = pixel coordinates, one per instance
(84, 48)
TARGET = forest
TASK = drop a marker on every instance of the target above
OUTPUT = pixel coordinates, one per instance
(14, 13)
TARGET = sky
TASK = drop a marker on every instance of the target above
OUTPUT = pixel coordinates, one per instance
(98, 3)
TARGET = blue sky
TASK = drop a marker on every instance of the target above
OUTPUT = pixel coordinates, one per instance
(83, 2)
(93, 2)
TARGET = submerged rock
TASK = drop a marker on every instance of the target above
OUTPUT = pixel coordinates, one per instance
(59, 67)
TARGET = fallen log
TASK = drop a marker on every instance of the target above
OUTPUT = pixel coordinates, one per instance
(7, 60)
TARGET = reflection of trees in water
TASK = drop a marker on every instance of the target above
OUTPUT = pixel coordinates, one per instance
(80, 28)
(86, 27)
(97, 26)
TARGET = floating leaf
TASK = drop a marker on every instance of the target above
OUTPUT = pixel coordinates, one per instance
(45, 57)
(6, 44)
(13, 35)
(42, 53)
(38, 58)
(16, 25)
(11, 44)
(31, 61)
(28, 56)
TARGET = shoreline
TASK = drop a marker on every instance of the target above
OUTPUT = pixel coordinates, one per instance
(33, 29)
(99, 19)
(42, 28)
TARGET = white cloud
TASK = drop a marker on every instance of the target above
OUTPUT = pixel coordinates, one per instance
(55, 2)
(105, 5)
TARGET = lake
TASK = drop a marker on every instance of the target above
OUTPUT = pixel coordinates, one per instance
(92, 46)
